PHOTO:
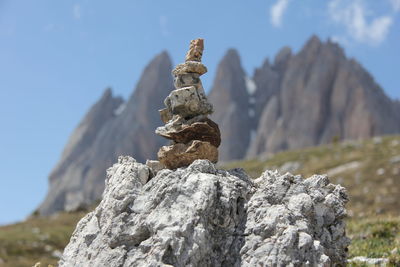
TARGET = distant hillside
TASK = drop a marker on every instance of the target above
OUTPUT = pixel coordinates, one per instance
(298, 100)
(369, 170)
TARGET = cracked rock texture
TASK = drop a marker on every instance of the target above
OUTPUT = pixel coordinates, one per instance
(202, 216)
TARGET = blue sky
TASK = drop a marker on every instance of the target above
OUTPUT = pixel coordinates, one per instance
(57, 57)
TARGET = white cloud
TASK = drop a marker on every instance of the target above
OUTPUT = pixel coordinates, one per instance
(164, 25)
(277, 11)
(395, 5)
(77, 11)
(353, 16)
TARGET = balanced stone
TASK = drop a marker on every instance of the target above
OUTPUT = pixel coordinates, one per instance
(181, 155)
(195, 50)
(184, 101)
(187, 79)
(190, 67)
(206, 130)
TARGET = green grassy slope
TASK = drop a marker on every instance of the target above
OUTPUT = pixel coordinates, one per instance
(370, 170)
(38, 239)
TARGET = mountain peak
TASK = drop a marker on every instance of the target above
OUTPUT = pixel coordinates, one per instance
(164, 56)
(314, 39)
(229, 97)
(162, 59)
(312, 45)
(282, 58)
(101, 137)
(107, 93)
(232, 52)
(231, 57)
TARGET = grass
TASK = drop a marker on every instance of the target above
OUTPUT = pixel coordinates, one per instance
(38, 239)
(374, 237)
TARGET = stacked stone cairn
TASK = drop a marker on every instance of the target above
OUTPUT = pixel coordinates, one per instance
(193, 135)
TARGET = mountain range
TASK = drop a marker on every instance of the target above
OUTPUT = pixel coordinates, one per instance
(298, 100)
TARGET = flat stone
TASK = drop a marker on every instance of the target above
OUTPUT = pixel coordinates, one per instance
(205, 130)
(190, 67)
(182, 155)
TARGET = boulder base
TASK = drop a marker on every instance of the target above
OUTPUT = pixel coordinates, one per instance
(202, 216)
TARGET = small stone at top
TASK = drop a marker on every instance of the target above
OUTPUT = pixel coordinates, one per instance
(195, 50)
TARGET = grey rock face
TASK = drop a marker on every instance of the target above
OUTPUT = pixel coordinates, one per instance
(79, 144)
(231, 107)
(318, 94)
(268, 80)
(295, 222)
(106, 132)
(202, 216)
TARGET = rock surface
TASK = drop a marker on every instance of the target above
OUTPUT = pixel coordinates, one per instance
(202, 216)
(315, 96)
(361, 260)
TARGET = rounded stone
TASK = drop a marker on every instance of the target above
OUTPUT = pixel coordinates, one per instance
(182, 155)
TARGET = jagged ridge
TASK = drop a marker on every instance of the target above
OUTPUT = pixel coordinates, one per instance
(299, 100)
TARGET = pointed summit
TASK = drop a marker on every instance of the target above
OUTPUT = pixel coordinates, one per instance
(233, 55)
(230, 99)
(314, 40)
(231, 62)
(282, 58)
(104, 134)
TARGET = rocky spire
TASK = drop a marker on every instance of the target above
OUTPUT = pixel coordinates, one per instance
(229, 93)
(193, 134)
(111, 128)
